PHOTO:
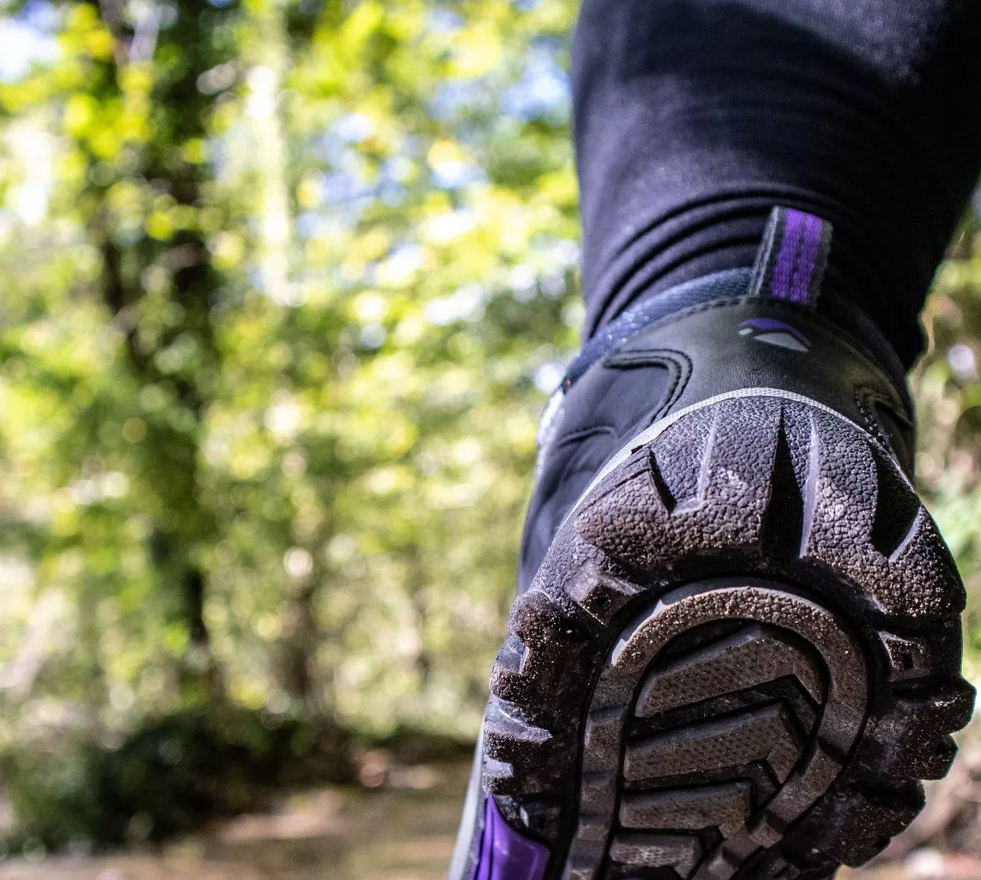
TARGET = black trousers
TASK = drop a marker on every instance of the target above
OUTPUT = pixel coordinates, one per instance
(694, 117)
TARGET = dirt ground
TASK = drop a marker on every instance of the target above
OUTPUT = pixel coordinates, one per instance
(403, 832)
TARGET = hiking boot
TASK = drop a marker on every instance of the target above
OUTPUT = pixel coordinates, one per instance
(736, 647)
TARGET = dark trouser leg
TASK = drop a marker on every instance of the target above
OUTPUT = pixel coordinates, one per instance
(695, 117)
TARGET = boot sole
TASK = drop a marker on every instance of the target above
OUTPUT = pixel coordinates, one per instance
(738, 660)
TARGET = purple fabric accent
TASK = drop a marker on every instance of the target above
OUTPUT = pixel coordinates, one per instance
(505, 854)
(793, 270)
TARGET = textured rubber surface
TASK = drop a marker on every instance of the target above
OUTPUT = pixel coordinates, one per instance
(738, 660)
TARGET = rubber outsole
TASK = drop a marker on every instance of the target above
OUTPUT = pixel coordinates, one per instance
(738, 660)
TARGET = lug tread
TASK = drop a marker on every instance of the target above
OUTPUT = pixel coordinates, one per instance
(610, 642)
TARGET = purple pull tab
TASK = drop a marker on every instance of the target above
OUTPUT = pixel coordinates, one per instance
(793, 257)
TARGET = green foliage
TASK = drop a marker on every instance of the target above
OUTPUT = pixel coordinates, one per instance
(173, 776)
(947, 388)
(285, 283)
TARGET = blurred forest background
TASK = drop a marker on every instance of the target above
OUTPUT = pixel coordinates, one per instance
(283, 286)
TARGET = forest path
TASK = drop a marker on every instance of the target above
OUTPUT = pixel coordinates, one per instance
(398, 833)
